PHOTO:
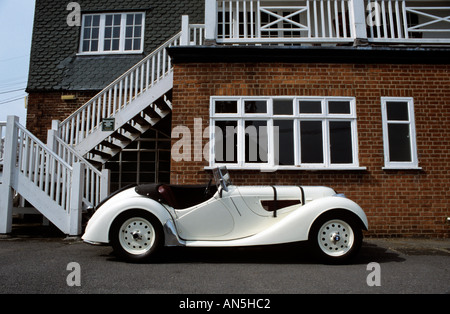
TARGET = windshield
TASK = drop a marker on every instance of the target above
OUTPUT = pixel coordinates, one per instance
(222, 177)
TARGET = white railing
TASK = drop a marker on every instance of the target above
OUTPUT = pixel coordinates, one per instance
(44, 168)
(119, 94)
(191, 34)
(96, 186)
(327, 21)
(408, 21)
(42, 177)
(261, 21)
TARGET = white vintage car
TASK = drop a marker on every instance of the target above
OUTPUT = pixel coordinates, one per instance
(140, 220)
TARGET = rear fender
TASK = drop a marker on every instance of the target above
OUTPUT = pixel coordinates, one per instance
(97, 230)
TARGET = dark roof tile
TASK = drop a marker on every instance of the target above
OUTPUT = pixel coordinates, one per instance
(54, 61)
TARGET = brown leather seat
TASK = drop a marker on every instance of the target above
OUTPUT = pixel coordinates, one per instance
(167, 193)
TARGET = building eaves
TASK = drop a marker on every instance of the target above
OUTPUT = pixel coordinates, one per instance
(300, 54)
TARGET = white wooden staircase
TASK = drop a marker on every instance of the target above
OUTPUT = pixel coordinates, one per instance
(130, 105)
(62, 177)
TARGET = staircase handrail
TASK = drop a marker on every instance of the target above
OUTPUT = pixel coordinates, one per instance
(93, 177)
(118, 94)
(44, 168)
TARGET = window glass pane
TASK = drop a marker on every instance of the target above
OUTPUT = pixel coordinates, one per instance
(96, 20)
(108, 20)
(128, 43)
(341, 142)
(115, 44)
(87, 33)
(255, 106)
(284, 142)
(339, 107)
(137, 31)
(137, 44)
(397, 111)
(310, 106)
(116, 32)
(282, 106)
(130, 19)
(95, 32)
(108, 32)
(138, 19)
(256, 141)
(399, 142)
(107, 44)
(85, 45)
(94, 45)
(129, 32)
(311, 141)
(226, 106)
(87, 21)
(225, 146)
(117, 19)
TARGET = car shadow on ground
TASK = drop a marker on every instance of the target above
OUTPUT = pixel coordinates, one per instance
(296, 253)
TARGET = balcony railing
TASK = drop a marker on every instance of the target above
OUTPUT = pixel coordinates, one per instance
(408, 21)
(326, 21)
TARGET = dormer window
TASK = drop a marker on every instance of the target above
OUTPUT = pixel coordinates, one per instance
(104, 33)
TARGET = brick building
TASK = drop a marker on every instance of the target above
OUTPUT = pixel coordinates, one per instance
(354, 95)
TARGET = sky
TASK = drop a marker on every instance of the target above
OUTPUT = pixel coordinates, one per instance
(16, 25)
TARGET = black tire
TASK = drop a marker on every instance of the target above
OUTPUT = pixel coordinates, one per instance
(136, 236)
(336, 237)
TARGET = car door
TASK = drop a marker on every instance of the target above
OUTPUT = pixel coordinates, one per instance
(210, 220)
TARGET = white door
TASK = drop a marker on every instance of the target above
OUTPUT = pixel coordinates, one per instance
(210, 220)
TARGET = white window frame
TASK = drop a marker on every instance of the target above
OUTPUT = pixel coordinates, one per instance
(271, 165)
(388, 164)
(101, 39)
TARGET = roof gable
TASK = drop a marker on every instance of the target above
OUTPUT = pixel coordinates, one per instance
(55, 63)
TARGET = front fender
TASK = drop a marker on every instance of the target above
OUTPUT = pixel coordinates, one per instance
(97, 229)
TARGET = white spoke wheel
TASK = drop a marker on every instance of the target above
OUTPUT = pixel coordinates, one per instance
(336, 237)
(135, 235)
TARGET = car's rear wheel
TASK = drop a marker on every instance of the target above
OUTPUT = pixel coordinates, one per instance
(136, 235)
(336, 237)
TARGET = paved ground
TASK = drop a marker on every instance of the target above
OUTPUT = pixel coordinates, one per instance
(36, 261)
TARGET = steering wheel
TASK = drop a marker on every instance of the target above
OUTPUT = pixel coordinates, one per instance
(208, 187)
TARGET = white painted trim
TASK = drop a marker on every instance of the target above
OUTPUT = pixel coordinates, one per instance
(296, 117)
(101, 37)
(414, 163)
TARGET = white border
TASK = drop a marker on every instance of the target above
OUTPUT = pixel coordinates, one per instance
(296, 117)
(101, 36)
(414, 163)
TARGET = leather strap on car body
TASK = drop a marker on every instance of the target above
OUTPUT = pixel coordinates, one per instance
(303, 195)
(275, 201)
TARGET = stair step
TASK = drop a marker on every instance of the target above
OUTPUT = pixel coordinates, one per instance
(97, 164)
(110, 145)
(141, 121)
(121, 137)
(162, 105)
(151, 113)
(100, 153)
(130, 129)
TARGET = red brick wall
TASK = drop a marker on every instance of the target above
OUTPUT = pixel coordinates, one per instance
(43, 107)
(397, 202)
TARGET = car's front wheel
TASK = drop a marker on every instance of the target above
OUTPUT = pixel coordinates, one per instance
(136, 235)
(336, 237)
